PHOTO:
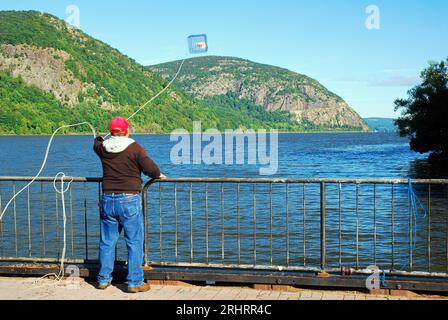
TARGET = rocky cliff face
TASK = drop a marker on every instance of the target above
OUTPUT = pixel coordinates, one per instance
(43, 68)
(271, 87)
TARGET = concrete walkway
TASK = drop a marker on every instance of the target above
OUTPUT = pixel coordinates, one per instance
(78, 289)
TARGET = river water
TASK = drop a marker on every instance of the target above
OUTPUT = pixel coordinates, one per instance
(366, 225)
(361, 155)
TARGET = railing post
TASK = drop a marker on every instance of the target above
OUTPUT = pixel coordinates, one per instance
(323, 234)
(145, 219)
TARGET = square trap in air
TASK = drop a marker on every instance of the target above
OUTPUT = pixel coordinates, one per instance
(198, 43)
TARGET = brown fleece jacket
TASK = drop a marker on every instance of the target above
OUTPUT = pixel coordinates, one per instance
(122, 171)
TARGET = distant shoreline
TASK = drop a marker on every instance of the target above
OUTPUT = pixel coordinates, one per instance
(167, 134)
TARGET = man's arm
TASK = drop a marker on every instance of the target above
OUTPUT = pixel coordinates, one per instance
(148, 166)
(98, 144)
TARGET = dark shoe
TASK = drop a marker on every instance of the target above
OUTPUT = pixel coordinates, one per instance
(143, 288)
(103, 286)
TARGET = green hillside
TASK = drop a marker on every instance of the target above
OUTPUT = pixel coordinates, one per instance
(53, 74)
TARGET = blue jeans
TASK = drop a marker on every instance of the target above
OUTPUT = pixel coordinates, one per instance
(121, 212)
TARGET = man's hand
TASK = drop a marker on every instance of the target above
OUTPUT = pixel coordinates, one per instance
(162, 177)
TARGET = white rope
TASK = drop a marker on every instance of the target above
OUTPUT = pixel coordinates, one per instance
(64, 217)
(94, 136)
(157, 95)
(44, 162)
(62, 175)
(62, 192)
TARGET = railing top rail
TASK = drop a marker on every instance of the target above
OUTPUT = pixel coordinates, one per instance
(50, 179)
(249, 180)
(303, 180)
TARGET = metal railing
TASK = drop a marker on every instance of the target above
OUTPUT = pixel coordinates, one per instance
(32, 227)
(298, 224)
(268, 224)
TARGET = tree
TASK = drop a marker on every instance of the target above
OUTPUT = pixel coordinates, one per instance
(424, 117)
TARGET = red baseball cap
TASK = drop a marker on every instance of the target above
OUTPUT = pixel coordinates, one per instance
(118, 125)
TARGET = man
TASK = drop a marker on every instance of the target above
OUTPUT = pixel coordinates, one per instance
(123, 162)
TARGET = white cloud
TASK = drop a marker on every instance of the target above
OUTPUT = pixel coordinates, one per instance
(383, 78)
(396, 81)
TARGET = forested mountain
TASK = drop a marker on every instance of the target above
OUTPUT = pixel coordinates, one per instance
(53, 74)
(273, 88)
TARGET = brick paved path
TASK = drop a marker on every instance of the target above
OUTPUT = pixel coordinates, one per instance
(35, 289)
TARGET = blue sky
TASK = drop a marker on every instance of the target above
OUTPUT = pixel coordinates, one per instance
(325, 39)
